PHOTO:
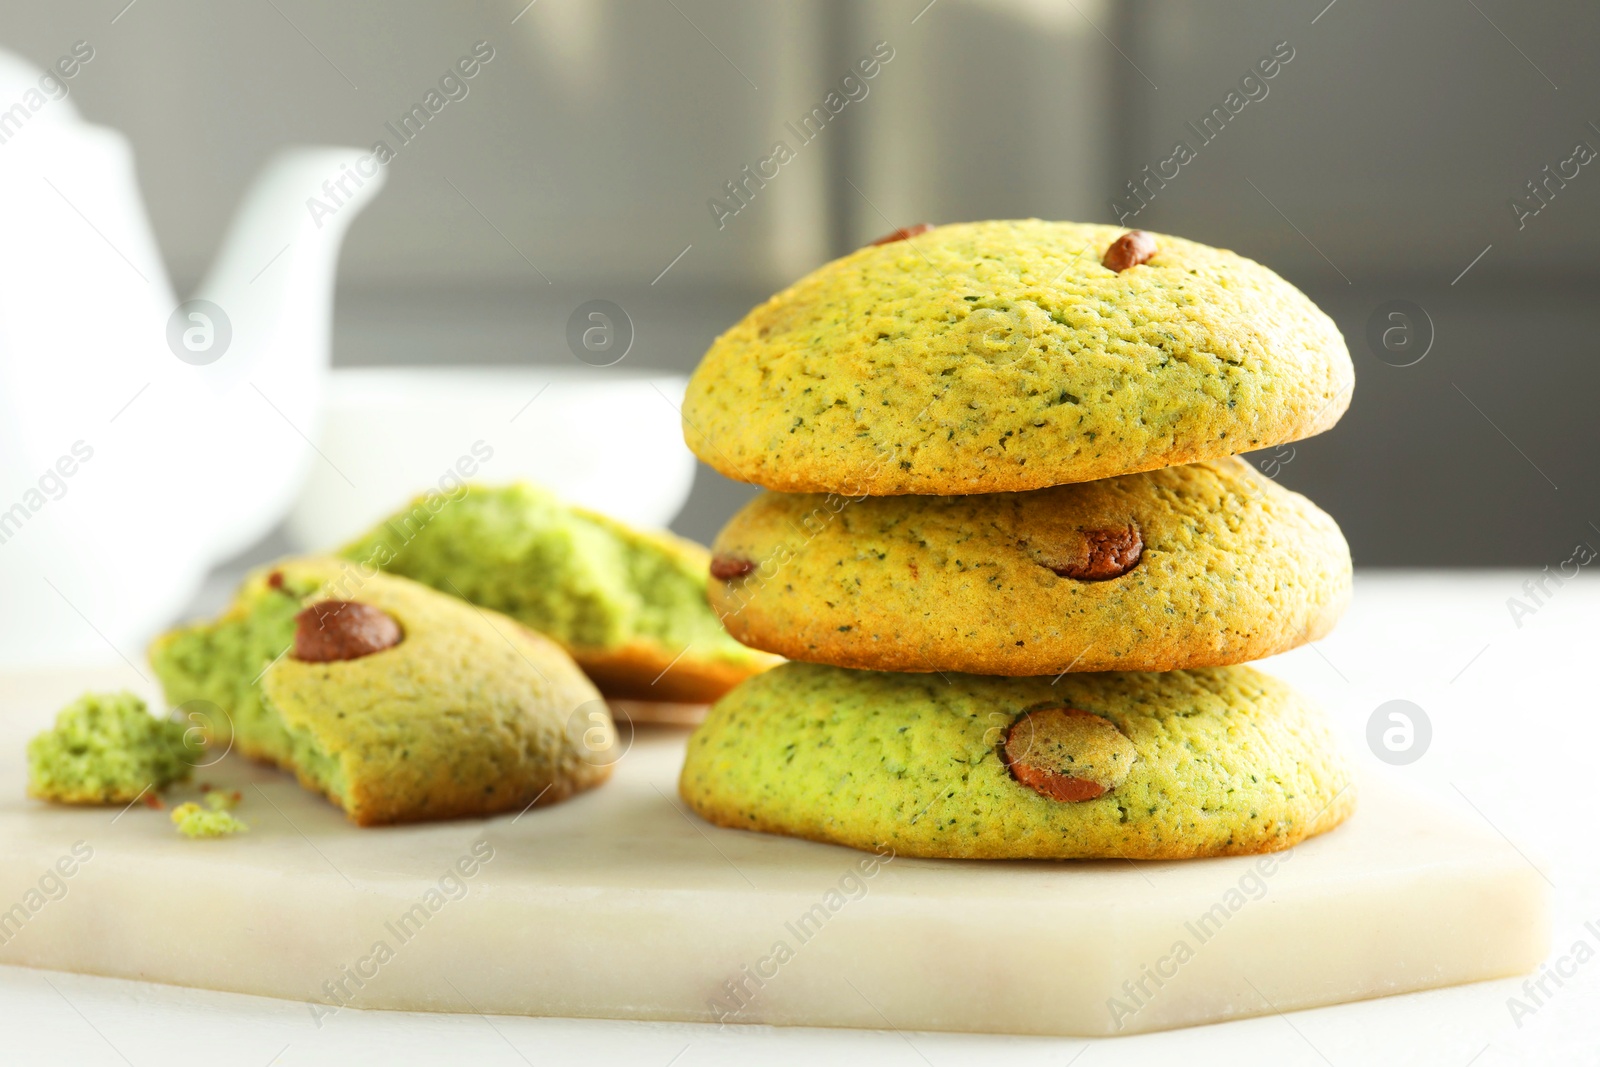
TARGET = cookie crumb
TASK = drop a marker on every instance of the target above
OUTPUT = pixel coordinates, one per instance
(221, 800)
(194, 821)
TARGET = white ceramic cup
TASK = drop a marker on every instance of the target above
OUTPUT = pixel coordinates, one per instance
(603, 438)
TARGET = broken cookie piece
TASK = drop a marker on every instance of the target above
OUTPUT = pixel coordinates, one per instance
(397, 702)
(629, 605)
(106, 748)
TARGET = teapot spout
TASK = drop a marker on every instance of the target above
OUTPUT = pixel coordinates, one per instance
(294, 217)
(273, 282)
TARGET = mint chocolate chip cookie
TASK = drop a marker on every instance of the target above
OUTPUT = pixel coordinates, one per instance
(1200, 565)
(1001, 356)
(396, 702)
(1123, 765)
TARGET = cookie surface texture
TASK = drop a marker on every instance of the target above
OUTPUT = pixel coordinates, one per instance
(1226, 761)
(1201, 565)
(1001, 356)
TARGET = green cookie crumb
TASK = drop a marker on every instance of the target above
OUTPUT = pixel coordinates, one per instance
(106, 748)
(194, 821)
(222, 800)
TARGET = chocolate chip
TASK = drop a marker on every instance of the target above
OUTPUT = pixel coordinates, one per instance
(727, 568)
(332, 630)
(275, 580)
(1066, 754)
(1057, 786)
(1104, 554)
(1129, 250)
(902, 233)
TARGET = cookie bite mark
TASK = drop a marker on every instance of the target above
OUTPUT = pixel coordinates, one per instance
(727, 568)
(902, 234)
(1129, 250)
(1067, 755)
(1102, 555)
(332, 630)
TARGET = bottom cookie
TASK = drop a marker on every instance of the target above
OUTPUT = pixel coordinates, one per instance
(1117, 765)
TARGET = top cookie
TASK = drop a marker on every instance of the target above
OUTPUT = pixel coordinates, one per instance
(1003, 356)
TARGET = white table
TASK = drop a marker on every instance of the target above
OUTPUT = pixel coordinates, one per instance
(1514, 735)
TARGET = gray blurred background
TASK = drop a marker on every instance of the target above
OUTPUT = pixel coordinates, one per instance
(1382, 164)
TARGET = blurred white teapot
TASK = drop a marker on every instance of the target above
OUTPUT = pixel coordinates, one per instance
(142, 441)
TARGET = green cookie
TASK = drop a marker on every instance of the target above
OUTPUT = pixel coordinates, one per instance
(1172, 765)
(467, 713)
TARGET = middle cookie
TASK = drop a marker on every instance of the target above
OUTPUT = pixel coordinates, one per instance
(1200, 565)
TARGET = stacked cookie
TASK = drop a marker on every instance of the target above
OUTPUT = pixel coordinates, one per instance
(1011, 543)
